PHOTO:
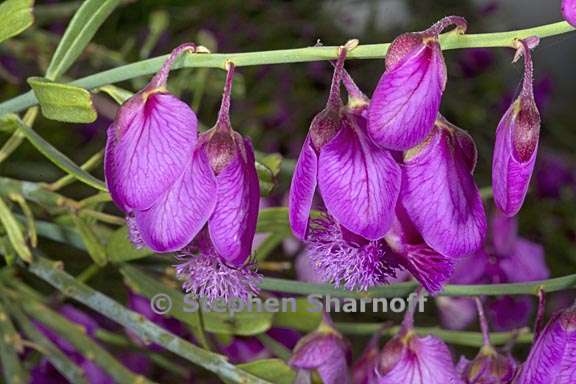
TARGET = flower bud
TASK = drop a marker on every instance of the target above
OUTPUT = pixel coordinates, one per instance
(516, 145)
(407, 98)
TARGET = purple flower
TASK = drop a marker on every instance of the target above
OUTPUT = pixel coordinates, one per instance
(207, 276)
(489, 366)
(569, 11)
(364, 369)
(516, 144)
(358, 182)
(508, 258)
(407, 98)
(429, 267)
(439, 193)
(150, 142)
(409, 358)
(324, 351)
(552, 359)
(342, 258)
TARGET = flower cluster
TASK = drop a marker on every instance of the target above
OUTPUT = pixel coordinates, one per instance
(174, 183)
(396, 178)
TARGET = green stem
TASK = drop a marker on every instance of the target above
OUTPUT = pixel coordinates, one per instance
(10, 346)
(464, 338)
(285, 56)
(90, 164)
(404, 289)
(147, 330)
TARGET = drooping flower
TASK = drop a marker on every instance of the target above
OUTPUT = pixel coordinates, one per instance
(516, 143)
(218, 188)
(358, 182)
(439, 192)
(324, 351)
(552, 359)
(489, 366)
(569, 11)
(429, 267)
(407, 98)
(409, 358)
(364, 369)
(150, 142)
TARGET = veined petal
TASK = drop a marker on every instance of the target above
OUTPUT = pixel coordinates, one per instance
(149, 145)
(441, 198)
(407, 98)
(175, 219)
(233, 223)
(511, 170)
(426, 360)
(302, 189)
(552, 359)
(429, 267)
(359, 182)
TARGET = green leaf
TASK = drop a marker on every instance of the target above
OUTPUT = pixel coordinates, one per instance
(15, 16)
(56, 156)
(14, 232)
(244, 323)
(10, 346)
(93, 245)
(268, 168)
(118, 94)
(273, 370)
(273, 220)
(79, 32)
(120, 249)
(303, 319)
(63, 102)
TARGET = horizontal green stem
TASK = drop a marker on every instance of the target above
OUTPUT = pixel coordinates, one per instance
(147, 330)
(465, 338)
(404, 289)
(285, 56)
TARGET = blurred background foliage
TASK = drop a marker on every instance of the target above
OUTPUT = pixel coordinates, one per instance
(275, 103)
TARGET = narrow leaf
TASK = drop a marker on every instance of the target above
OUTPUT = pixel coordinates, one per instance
(15, 16)
(273, 370)
(56, 156)
(268, 168)
(120, 249)
(63, 102)
(54, 355)
(14, 232)
(93, 246)
(10, 346)
(118, 94)
(306, 318)
(79, 32)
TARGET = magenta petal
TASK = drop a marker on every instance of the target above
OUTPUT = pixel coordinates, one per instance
(526, 263)
(441, 198)
(456, 312)
(429, 267)
(511, 171)
(149, 145)
(233, 223)
(407, 99)
(426, 361)
(359, 182)
(302, 189)
(569, 11)
(175, 219)
(552, 359)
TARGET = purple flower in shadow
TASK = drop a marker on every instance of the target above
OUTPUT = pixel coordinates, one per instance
(409, 358)
(324, 351)
(407, 98)
(552, 359)
(516, 143)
